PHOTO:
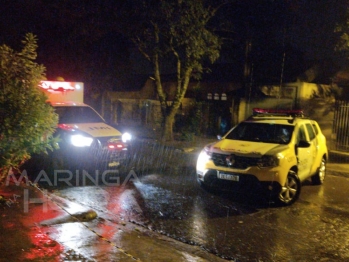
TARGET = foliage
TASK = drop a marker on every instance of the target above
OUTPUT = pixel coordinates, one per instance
(341, 31)
(192, 122)
(26, 121)
(173, 34)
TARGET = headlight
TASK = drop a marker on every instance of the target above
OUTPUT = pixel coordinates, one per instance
(207, 150)
(268, 161)
(126, 137)
(203, 158)
(81, 141)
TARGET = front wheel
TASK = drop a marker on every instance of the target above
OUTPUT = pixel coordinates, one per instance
(208, 185)
(319, 177)
(290, 191)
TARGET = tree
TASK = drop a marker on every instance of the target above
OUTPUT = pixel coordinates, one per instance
(341, 32)
(26, 121)
(172, 32)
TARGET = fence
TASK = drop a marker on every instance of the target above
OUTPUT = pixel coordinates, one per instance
(340, 128)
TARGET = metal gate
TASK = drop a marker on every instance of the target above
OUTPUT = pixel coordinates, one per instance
(340, 128)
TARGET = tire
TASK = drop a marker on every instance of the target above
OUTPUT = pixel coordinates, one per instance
(319, 177)
(290, 191)
(209, 186)
(203, 185)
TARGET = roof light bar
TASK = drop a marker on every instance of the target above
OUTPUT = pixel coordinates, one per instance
(66, 127)
(57, 86)
(291, 112)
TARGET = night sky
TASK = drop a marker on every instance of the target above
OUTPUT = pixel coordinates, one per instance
(81, 40)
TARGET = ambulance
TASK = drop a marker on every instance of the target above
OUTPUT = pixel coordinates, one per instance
(86, 141)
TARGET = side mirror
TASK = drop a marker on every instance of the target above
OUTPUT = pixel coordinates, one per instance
(219, 137)
(303, 144)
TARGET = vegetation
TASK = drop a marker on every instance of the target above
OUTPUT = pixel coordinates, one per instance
(173, 34)
(26, 121)
(190, 124)
(342, 32)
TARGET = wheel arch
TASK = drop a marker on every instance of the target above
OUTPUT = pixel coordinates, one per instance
(286, 197)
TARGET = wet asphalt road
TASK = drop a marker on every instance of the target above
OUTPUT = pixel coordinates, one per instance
(159, 192)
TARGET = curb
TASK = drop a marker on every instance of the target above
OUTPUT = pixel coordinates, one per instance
(338, 169)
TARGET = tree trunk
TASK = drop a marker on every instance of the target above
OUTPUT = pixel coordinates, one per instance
(167, 134)
(169, 120)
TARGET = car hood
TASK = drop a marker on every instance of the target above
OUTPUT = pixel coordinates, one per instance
(94, 129)
(246, 148)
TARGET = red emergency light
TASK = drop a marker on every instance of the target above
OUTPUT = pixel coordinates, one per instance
(57, 86)
(291, 112)
(116, 146)
(66, 127)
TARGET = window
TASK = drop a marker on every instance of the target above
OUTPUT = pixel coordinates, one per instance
(310, 130)
(266, 133)
(316, 129)
(77, 114)
(301, 134)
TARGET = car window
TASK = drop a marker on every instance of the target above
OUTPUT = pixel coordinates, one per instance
(262, 132)
(310, 130)
(77, 114)
(301, 134)
(316, 129)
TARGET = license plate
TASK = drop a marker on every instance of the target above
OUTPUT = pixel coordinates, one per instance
(113, 164)
(228, 177)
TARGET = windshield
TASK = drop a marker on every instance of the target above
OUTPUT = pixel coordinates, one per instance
(77, 115)
(262, 132)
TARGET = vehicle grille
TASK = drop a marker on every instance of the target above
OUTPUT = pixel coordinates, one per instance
(239, 162)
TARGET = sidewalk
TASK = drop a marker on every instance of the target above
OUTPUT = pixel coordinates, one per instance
(338, 169)
(32, 221)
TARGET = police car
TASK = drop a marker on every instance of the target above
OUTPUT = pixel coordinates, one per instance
(85, 140)
(273, 150)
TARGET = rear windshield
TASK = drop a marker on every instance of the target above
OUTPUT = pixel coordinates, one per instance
(262, 132)
(77, 115)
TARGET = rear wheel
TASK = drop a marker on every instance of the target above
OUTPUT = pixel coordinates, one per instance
(290, 191)
(319, 177)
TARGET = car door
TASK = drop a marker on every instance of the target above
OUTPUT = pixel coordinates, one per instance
(314, 148)
(305, 150)
(321, 146)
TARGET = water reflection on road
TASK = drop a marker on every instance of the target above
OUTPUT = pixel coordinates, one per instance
(166, 199)
(241, 227)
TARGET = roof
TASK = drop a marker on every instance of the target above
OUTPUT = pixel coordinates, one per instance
(277, 116)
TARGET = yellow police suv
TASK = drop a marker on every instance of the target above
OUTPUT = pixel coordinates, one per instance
(273, 150)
